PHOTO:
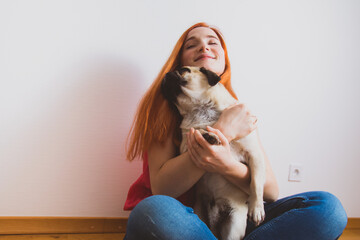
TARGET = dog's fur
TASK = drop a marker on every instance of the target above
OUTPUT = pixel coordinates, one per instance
(200, 99)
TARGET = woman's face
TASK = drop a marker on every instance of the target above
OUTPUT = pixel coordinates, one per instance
(202, 48)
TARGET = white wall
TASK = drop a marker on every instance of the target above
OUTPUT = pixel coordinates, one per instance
(72, 73)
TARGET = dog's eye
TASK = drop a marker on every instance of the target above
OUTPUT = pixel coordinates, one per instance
(183, 82)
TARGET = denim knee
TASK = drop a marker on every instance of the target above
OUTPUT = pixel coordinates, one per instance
(163, 217)
(331, 214)
(143, 220)
(151, 207)
(156, 205)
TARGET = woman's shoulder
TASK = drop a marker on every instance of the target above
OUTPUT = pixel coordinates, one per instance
(166, 149)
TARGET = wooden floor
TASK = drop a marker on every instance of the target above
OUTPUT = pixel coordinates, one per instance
(107, 236)
(349, 234)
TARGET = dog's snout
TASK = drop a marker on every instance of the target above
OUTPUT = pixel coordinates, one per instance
(180, 72)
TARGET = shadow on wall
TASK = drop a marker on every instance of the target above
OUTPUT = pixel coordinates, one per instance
(104, 100)
(97, 117)
(72, 159)
(97, 113)
(101, 107)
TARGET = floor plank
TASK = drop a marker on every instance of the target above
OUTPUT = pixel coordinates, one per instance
(107, 236)
(350, 234)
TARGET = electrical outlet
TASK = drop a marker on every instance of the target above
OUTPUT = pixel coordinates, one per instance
(295, 173)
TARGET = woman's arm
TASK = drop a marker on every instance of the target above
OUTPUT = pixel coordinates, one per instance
(171, 175)
(236, 122)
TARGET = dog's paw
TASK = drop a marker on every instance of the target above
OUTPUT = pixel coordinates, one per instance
(256, 212)
(212, 138)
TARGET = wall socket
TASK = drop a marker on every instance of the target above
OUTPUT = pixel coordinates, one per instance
(295, 173)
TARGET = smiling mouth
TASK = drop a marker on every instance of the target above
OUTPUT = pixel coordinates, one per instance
(203, 57)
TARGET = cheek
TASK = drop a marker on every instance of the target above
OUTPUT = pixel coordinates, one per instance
(222, 57)
(221, 53)
(186, 58)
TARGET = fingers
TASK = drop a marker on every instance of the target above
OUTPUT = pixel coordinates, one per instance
(197, 153)
(198, 147)
(206, 156)
(244, 108)
(253, 119)
(253, 123)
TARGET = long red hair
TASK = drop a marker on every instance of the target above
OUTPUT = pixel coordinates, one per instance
(155, 120)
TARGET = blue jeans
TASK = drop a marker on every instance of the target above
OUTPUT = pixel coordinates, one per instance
(310, 215)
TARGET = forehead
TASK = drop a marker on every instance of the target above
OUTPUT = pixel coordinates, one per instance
(201, 32)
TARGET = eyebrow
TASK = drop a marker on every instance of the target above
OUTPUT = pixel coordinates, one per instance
(208, 36)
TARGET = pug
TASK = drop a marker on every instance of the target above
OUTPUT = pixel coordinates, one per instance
(200, 98)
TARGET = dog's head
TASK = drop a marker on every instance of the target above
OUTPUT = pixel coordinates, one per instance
(188, 83)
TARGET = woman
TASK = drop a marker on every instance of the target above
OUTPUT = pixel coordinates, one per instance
(162, 197)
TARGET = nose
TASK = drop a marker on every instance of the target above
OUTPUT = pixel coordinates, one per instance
(204, 47)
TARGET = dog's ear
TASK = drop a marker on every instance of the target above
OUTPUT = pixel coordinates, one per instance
(182, 70)
(212, 77)
(170, 86)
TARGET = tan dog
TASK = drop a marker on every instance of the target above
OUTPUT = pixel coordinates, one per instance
(200, 99)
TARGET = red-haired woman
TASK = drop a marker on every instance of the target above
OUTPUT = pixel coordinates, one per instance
(162, 197)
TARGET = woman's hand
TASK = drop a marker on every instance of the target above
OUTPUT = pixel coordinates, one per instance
(236, 122)
(218, 158)
(211, 158)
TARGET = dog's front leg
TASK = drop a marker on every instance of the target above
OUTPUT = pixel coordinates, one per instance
(210, 137)
(256, 198)
(257, 169)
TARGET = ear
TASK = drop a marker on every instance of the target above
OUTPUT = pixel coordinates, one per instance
(182, 70)
(170, 86)
(212, 77)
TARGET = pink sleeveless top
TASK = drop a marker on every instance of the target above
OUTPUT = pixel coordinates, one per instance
(141, 189)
